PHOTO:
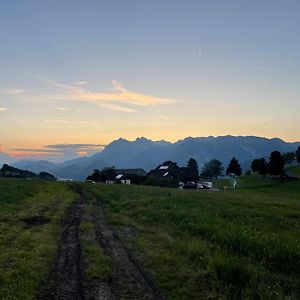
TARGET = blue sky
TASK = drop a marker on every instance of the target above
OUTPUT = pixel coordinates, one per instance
(87, 72)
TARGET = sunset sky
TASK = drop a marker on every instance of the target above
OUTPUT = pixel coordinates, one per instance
(75, 74)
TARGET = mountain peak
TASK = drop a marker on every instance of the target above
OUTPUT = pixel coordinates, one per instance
(143, 139)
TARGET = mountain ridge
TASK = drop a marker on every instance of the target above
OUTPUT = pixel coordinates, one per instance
(146, 153)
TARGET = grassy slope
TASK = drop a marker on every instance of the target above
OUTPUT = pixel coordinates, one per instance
(198, 244)
(27, 251)
(236, 244)
(295, 170)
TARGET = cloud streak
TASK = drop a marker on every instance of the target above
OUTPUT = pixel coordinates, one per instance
(120, 94)
(3, 109)
(12, 92)
(82, 147)
(118, 99)
(64, 151)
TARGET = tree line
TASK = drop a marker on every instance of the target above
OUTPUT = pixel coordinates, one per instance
(276, 163)
(214, 168)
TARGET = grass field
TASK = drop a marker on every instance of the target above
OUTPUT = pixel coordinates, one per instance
(241, 244)
(236, 244)
(30, 216)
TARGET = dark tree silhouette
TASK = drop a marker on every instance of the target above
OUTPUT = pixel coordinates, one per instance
(298, 154)
(212, 169)
(234, 167)
(193, 166)
(276, 163)
(103, 175)
(255, 165)
(260, 166)
(263, 167)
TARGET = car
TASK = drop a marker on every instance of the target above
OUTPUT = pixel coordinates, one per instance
(90, 181)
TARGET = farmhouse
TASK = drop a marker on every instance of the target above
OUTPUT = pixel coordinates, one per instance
(185, 176)
(129, 176)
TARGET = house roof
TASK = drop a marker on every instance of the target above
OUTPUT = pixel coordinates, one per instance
(137, 172)
(170, 169)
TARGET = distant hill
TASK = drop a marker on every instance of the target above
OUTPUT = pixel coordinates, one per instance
(77, 169)
(9, 171)
(147, 154)
(34, 166)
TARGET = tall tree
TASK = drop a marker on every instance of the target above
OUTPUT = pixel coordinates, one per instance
(260, 166)
(289, 157)
(234, 167)
(255, 165)
(212, 169)
(193, 166)
(263, 167)
(276, 163)
(298, 154)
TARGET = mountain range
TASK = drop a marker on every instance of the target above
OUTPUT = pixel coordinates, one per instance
(147, 154)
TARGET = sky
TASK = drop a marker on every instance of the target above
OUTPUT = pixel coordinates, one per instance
(75, 74)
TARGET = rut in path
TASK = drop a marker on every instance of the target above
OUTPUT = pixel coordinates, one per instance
(129, 280)
(65, 278)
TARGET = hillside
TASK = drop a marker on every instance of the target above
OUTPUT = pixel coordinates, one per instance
(150, 243)
(9, 171)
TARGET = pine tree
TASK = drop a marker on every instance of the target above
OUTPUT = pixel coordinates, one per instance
(234, 167)
(193, 166)
(263, 167)
(276, 163)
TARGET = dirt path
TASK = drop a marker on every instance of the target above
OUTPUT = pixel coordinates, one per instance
(66, 278)
(130, 281)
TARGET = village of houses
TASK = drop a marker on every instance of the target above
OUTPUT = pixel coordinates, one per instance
(168, 174)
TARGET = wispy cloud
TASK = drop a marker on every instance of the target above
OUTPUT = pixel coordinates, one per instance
(164, 118)
(77, 147)
(3, 109)
(62, 108)
(117, 107)
(58, 121)
(120, 94)
(118, 98)
(32, 154)
(81, 82)
(12, 92)
(64, 151)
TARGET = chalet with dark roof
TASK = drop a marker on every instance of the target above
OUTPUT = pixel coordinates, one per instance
(129, 176)
(170, 170)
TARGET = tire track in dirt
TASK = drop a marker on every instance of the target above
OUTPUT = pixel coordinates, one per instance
(94, 287)
(65, 278)
(129, 280)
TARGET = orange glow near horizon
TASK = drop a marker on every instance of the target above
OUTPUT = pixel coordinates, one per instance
(24, 154)
(170, 137)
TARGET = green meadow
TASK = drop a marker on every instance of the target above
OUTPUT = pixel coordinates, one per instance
(30, 216)
(241, 244)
